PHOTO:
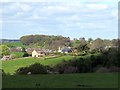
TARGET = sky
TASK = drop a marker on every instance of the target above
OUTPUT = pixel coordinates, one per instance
(69, 18)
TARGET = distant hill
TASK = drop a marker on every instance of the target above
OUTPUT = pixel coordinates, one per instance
(9, 40)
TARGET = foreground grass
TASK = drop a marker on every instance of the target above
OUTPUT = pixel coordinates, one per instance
(12, 65)
(89, 80)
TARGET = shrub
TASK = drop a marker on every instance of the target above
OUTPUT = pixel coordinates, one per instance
(60, 68)
(25, 54)
(37, 69)
(102, 70)
(114, 69)
(82, 54)
(17, 55)
(22, 70)
(13, 56)
(65, 68)
(93, 51)
(2, 71)
(34, 69)
(1, 55)
(70, 69)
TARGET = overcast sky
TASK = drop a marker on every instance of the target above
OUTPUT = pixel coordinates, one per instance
(70, 18)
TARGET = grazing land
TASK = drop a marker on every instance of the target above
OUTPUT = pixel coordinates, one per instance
(18, 54)
(12, 65)
(82, 80)
(14, 44)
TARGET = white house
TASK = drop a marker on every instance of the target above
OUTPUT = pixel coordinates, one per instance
(59, 50)
(36, 53)
(65, 50)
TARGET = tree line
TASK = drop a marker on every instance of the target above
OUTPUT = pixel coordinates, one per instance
(45, 41)
(53, 42)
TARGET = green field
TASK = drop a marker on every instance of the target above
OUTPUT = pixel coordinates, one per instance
(81, 80)
(89, 80)
(14, 44)
(18, 54)
(12, 65)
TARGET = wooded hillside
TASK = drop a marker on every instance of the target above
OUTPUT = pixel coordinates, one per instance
(45, 41)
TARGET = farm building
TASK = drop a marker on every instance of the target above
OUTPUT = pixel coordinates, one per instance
(30, 50)
(16, 49)
(65, 50)
(37, 53)
(8, 57)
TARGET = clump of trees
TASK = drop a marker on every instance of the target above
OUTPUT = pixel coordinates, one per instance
(81, 45)
(92, 46)
(2, 71)
(100, 62)
(25, 52)
(4, 50)
(33, 69)
(45, 41)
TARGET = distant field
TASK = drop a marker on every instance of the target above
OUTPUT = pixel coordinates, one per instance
(14, 44)
(86, 80)
(18, 54)
(12, 65)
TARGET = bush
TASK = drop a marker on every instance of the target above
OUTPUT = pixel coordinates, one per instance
(17, 55)
(34, 69)
(70, 69)
(2, 71)
(13, 56)
(82, 54)
(93, 51)
(37, 69)
(102, 70)
(84, 65)
(25, 54)
(1, 55)
(22, 70)
(60, 68)
(114, 69)
(113, 58)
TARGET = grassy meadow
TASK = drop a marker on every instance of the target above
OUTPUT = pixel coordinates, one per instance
(82, 80)
(12, 65)
(76, 80)
(14, 44)
(18, 54)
